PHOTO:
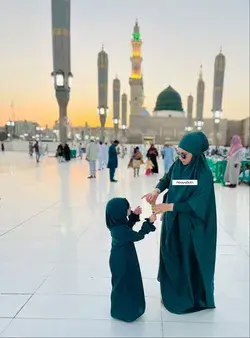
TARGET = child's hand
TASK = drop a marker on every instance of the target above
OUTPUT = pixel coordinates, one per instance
(137, 211)
(152, 218)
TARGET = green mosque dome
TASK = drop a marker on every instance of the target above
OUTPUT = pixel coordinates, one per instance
(169, 99)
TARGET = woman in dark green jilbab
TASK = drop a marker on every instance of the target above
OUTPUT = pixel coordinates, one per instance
(189, 229)
(127, 296)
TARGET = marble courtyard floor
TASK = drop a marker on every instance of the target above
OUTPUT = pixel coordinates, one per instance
(54, 249)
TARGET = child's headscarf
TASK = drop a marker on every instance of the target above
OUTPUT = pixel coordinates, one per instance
(117, 212)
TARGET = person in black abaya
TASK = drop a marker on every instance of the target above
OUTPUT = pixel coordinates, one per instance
(66, 151)
(152, 154)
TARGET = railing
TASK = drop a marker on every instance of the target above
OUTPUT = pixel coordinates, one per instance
(218, 168)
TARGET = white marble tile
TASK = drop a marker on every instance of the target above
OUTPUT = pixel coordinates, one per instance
(205, 330)
(56, 245)
(4, 322)
(81, 328)
(80, 306)
(11, 304)
(227, 310)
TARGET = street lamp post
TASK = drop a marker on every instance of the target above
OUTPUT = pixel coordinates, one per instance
(116, 127)
(199, 124)
(188, 129)
(39, 131)
(124, 132)
(10, 127)
(103, 113)
(61, 74)
(62, 86)
(216, 127)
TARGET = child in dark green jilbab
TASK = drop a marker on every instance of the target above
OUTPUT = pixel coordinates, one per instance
(189, 230)
(127, 296)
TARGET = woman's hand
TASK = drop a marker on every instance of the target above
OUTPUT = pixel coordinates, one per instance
(162, 208)
(137, 211)
(152, 197)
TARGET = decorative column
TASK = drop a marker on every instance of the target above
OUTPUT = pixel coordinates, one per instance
(102, 108)
(200, 101)
(61, 74)
(116, 105)
(190, 103)
(124, 114)
(219, 72)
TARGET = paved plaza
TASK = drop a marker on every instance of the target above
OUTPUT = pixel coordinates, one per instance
(54, 251)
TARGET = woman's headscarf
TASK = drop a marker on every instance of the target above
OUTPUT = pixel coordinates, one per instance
(235, 145)
(195, 143)
(117, 212)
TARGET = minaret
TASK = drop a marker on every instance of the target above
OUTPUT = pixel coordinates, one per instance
(136, 79)
(116, 105)
(190, 103)
(102, 109)
(124, 113)
(219, 72)
(200, 101)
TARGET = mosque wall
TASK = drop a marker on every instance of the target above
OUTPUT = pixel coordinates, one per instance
(170, 130)
(246, 131)
(234, 127)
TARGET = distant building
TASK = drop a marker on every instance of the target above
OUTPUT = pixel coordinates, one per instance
(25, 127)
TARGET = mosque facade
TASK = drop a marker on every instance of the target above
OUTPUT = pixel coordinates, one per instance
(169, 120)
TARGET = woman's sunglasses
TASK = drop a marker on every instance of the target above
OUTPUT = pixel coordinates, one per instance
(182, 155)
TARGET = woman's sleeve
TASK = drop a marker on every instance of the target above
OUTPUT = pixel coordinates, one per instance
(132, 219)
(134, 236)
(165, 180)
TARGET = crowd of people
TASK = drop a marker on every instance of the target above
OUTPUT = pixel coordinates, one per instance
(107, 157)
(101, 155)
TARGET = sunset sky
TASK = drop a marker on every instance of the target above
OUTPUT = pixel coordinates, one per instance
(178, 36)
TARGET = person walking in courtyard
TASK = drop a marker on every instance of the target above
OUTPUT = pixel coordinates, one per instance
(234, 157)
(80, 151)
(37, 151)
(106, 154)
(59, 153)
(113, 160)
(168, 157)
(101, 155)
(127, 295)
(153, 154)
(136, 161)
(91, 157)
(149, 167)
(189, 230)
(66, 152)
(31, 149)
